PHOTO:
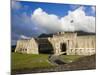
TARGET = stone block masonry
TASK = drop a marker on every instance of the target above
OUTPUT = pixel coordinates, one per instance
(68, 43)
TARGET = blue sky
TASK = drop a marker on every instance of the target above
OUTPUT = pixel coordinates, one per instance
(51, 8)
(30, 19)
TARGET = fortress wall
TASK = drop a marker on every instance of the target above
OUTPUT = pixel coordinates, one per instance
(85, 42)
(67, 39)
(28, 46)
(55, 44)
(33, 47)
(21, 46)
(81, 51)
(75, 45)
(85, 45)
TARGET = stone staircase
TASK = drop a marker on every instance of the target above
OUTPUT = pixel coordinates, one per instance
(56, 60)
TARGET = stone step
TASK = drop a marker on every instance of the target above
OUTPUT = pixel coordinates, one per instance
(56, 60)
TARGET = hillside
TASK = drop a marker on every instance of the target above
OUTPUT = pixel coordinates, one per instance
(79, 33)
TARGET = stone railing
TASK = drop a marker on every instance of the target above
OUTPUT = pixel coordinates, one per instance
(81, 51)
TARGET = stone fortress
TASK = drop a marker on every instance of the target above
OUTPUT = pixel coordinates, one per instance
(67, 43)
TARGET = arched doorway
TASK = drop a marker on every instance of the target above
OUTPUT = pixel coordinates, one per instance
(63, 47)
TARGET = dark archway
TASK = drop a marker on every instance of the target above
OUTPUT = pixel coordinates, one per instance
(44, 46)
(63, 47)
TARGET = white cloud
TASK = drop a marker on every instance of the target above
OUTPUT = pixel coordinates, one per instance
(74, 21)
(46, 21)
(80, 21)
(24, 37)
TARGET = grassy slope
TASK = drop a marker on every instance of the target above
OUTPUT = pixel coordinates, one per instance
(70, 58)
(29, 61)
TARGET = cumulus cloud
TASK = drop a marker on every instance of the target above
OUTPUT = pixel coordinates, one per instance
(25, 26)
(75, 21)
(24, 37)
(46, 21)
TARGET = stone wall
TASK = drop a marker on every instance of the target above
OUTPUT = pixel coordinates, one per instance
(61, 43)
(62, 38)
(28, 46)
(75, 45)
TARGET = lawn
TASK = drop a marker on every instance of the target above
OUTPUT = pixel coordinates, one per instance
(29, 61)
(33, 61)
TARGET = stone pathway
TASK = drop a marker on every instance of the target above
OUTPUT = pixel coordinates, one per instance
(56, 60)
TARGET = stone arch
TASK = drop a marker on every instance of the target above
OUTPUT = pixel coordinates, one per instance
(63, 47)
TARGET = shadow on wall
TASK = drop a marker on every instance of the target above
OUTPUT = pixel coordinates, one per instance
(44, 46)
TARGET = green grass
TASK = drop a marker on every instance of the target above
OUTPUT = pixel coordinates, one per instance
(33, 61)
(70, 58)
(29, 61)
